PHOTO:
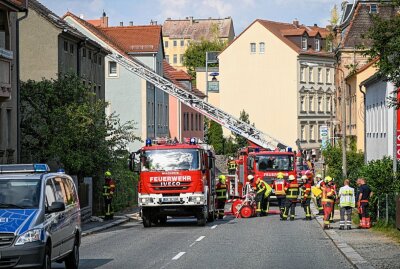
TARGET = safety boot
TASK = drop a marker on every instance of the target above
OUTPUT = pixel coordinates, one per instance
(348, 227)
(341, 228)
(291, 218)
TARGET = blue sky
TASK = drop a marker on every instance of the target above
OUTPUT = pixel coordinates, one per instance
(243, 12)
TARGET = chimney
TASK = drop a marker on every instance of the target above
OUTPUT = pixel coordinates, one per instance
(121, 23)
(315, 25)
(191, 19)
(296, 23)
(104, 20)
(131, 23)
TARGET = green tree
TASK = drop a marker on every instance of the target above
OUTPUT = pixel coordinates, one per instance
(215, 137)
(195, 55)
(64, 124)
(384, 39)
(240, 140)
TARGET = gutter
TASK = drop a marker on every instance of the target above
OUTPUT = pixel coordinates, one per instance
(19, 84)
(365, 122)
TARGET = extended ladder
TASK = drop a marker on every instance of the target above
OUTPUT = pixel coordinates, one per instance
(226, 120)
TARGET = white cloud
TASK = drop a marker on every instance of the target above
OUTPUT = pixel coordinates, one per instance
(221, 7)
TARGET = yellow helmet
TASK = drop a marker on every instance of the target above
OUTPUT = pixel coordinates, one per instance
(291, 177)
(327, 179)
(222, 179)
(107, 174)
(279, 175)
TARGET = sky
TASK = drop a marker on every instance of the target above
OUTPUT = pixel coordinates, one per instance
(243, 12)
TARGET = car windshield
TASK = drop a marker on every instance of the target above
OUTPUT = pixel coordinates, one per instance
(274, 162)
(170, 159)
(19, 193)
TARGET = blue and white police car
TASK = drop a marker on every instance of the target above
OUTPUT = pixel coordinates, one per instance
(40, 218)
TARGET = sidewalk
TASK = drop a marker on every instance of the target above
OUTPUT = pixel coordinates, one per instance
(98, 224)
(363, 248)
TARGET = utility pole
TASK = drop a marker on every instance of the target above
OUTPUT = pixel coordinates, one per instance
(344, 148)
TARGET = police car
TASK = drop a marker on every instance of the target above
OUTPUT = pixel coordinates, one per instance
(40, 218)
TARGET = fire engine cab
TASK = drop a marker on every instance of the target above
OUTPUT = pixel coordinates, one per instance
(175, 179)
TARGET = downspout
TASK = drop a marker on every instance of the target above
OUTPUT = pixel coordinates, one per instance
(155, 116)
(19, 85)
(365, 122)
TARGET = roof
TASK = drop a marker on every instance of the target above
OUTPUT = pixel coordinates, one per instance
(177, 76)
(19, 5)
(196, 29)
(134, 39)
(96, 23)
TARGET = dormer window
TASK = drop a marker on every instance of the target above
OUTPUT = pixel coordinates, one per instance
(373, 9)
(304, 43)
(317, 44)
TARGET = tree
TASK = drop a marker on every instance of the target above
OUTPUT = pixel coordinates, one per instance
(215, 137)
(240, 140)
(63, 123)
(384, 36)
(195, 55)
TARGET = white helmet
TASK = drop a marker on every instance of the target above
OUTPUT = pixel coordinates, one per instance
(304, 177)
(318, 176)
(291, 177)
(250, 177)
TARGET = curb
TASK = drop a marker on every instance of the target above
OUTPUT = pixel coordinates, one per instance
(350, 253)
(124, 219)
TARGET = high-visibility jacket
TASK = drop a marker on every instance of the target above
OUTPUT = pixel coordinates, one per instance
(328, 194)
(108, 187)
(279, 187)
(232, 165)
(347, 196)
(221, 191)
(292, 190)
(306, 190)
(263, 186)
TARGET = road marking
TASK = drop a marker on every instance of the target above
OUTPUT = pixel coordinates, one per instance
(200, 238)
(213, 227)
(192, 244)
(180, 254)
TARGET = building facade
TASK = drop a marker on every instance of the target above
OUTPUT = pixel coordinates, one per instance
(177, 35)
(9, 92)
(260, 73)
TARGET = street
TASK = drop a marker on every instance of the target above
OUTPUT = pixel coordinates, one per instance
(231, 243)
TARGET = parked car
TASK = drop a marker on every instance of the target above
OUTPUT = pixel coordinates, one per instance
(40, 218)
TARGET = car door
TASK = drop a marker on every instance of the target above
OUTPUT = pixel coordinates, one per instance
(51, 219)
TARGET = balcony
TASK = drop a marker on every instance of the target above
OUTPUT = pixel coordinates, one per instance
(5, 74)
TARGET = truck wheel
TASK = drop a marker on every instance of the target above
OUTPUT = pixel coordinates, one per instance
(72, 260)
(146, 218)
(201, 219)
(162, 220)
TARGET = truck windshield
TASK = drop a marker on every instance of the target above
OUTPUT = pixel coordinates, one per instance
(170, 159)
(274, 163)
(19, 193)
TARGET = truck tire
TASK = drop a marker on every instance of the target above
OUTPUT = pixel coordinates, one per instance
(201, 221)
(162, 220)
(146, 218)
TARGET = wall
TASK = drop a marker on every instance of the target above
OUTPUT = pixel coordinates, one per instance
(39, 43)
(264, 85)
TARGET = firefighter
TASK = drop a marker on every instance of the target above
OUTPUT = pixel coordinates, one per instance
(279, 188)
(263, 190)
(347, 203)
(364, 194)
(306, 196)
(331, 219)
(318, 193)
(292, 192)
(221, 196)
(328, 200)
(231, 166)
(108, 193)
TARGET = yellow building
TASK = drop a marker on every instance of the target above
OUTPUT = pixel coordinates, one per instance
(177, 35)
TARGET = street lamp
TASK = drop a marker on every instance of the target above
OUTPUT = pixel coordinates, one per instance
(343, 97)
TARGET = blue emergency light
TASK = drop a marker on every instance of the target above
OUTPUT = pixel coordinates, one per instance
(148, 142)
(60, 171)
(257, 150)
(192, 141)
(289, 149)
(24, 168)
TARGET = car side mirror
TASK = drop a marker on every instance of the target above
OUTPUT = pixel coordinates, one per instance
(56, 207)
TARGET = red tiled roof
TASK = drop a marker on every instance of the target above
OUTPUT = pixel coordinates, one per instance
(96, 23)
(136, 38)
(19, 4)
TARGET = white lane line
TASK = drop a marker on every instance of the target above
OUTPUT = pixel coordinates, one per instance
(180, 254)
(200, 238)
(213, 227)
(192, 244)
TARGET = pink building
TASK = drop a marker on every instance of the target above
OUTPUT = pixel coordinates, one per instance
(184, 122)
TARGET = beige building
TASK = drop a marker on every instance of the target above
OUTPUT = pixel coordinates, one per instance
(260, 73)
(177, 35)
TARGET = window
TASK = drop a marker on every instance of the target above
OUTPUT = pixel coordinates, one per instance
(329, 46)
(71, 48)
(303, 133)
(175, 43)
(50, 195)
(83, 52)
(66, 46)
(182, 43)
(166, 44)
(59, 190)
(303, 103)
(100, 60)
(319, 132)
(311, 75)
(90, 54)
(181, 58)
(304, 43)
(320, 105)
(167, 58)
(9, 127)
(317, 44)
(311, 103)
(328, 104)
(4, 30)
(319, 75)
(200, 122)
(262, 47)
(373, 9)
(328, 76)
(191, 121)
(99, 91)
(95, 59)
(252, 47)
(184, 121)
(196, 122)
(175, 59)
(112, 69)
(302, 74)
(312, 132)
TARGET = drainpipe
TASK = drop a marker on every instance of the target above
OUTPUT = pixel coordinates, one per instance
(155, 116)
(365, 122)
(19, 85)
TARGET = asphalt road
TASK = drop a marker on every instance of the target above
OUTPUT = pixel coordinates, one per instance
(264, 242)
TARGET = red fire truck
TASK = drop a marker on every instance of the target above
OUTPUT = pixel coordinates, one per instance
(175, 180)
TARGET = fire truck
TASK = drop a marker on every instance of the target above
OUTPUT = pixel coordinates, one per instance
(175, 179)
